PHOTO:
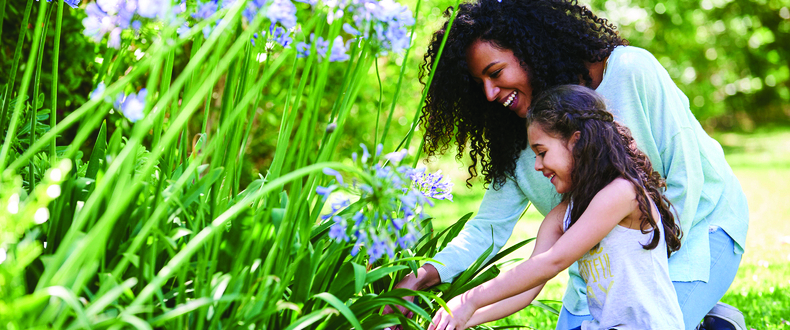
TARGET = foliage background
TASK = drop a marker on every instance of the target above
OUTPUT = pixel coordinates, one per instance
(728, 56)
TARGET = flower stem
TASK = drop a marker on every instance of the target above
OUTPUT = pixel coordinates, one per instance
(36, 86)
(25, 81)
(53, 112)
(9, 88)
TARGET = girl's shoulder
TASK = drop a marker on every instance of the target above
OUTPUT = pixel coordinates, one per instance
(619, 192)
(557, 215)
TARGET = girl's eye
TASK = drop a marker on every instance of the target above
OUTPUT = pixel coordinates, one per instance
(541, 154)
(496, 73)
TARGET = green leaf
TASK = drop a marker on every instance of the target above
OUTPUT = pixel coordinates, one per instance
(136, 322)
(342, 308)
(487, 275)
(111, 296)
(381, 272)
(542, 304)
(360, 275)
(202, 187)
(98, 153)
(309, 319)
(468, 273)
(133, 258)
(509, 250)
(71, 300)
(455, 229)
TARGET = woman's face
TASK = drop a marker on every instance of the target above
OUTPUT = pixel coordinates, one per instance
(500, 75)
(553, 156)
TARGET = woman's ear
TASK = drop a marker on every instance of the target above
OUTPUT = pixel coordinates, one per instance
(572, 141)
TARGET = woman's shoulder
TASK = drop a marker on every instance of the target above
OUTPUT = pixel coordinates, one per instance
(632, 67)
(631, 60)
(630, 55)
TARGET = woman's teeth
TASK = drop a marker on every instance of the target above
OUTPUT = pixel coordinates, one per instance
(510, 99)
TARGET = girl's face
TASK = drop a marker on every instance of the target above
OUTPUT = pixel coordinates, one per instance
(500, 75)
(553, 156)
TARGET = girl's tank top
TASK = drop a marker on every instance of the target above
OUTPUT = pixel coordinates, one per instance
(628, 287)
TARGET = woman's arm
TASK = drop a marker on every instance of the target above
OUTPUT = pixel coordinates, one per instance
(492, 225)
(611, 205)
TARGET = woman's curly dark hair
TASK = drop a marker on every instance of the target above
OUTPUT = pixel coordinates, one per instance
(604, 151)
(553, 39)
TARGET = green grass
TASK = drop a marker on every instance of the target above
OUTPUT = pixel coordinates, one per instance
(760, 160)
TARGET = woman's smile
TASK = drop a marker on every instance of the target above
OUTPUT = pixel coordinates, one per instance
(500, 75)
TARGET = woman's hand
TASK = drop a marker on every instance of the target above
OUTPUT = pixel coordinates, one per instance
(462, 309)
(427, 276)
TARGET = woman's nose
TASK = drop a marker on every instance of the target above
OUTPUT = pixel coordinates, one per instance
(490, 90)
(538, 164)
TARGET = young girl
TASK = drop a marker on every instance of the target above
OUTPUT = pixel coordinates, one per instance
(613, 220)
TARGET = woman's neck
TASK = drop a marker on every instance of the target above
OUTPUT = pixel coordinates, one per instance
(596, 72)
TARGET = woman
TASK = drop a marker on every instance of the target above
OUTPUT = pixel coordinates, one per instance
(498, 55)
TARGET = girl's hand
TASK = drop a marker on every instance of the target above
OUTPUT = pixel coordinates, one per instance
(462, 311)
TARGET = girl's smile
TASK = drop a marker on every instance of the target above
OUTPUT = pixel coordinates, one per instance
(553, 156)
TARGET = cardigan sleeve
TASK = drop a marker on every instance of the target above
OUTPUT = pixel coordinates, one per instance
(499, 211)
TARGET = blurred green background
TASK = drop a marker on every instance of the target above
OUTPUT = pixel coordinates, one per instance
(728, 56)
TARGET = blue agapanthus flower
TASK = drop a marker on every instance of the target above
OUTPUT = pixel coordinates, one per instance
(338, 52)
(205, 9)
(391, 204)
(280, 36)
(386, 22)
(321, 47)
(283, 12)
(97, 93)
(154, 9)
(133, 105)
(302, 50)
(71, 3)
(338, 230)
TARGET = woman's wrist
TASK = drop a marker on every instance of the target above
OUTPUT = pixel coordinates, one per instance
(426, 277)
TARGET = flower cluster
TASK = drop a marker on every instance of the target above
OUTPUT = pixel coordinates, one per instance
(431, 185)
(392, 201)
(336, 54)
(114, 16)
(71, 3)
(384, 21)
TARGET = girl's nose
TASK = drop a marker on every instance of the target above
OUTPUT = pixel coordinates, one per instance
(490, 90)
(538, 164)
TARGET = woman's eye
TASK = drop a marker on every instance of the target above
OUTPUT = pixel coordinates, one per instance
(542, 154)
(496, 73)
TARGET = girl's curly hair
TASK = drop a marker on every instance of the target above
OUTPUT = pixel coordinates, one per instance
(553, 39)
(605, 151)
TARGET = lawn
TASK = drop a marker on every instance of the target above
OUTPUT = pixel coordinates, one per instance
(760, 160)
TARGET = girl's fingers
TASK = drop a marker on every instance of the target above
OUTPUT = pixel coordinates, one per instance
(443, 322)
(437, 319)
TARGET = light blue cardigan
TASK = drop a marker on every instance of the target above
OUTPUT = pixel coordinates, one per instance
(700, 183)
